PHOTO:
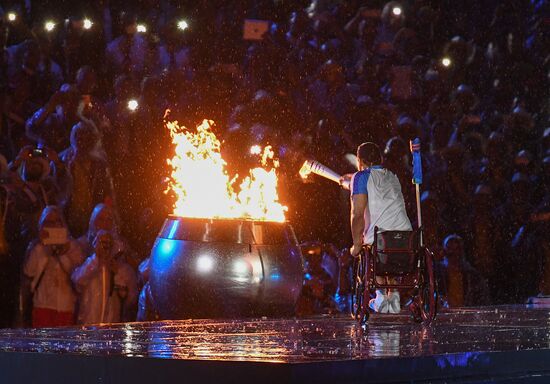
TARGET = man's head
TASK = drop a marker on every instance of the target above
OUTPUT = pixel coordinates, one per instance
(30, 56)
(69, 104)
(128, 21)
(86, 80)
(52, 217)
(103, 242)
(102, 218)
(35, 168)
(368, 154)
(453, 245)
(83, 137)
(123, 88)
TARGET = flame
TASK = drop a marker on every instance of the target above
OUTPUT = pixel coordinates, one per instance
(204, 188)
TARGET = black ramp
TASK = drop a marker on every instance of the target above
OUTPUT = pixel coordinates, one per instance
(495, 344)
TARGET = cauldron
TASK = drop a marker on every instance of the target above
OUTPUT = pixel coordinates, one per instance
(208, 268)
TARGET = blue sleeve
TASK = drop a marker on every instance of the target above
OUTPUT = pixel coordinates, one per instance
(359, 183)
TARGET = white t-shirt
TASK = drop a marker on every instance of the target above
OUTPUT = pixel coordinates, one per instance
(386, 207)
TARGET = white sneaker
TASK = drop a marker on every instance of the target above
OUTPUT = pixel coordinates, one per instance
(394, 302)
(379, 304)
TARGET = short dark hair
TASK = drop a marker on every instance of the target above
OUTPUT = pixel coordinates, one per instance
(369, 152)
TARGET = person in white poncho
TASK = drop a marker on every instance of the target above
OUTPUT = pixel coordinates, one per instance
(106, 284)
(49, 265)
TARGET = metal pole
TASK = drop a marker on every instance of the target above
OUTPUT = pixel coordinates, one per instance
(419, 212)
(417, 180)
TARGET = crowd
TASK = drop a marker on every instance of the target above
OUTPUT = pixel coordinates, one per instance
(85, 88)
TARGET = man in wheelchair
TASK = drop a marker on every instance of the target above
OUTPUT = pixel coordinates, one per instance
(376, 202)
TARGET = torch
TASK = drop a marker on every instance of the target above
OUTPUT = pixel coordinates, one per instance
(312, 166)
(417, 179)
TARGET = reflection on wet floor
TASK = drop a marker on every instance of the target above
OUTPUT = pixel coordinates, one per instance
(298, 340)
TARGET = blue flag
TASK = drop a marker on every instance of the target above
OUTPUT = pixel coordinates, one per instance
(417, 161)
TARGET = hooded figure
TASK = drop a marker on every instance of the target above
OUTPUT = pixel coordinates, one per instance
(90, 179)
(51, 260)
(106, 284)
(102, 218)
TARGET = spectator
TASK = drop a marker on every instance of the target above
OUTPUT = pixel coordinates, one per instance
(8, 266)
(91, 182)
(459, 283)
(129, 53)
(91, 106)
(83, 44)
(51, 260)
(102, 218)
(51, 124)
(144, 310)
(106, 284)
(18, 108)
(319, 287)
(37, 187)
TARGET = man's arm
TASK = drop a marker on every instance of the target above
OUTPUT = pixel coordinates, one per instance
(34, 125)
(359, 203)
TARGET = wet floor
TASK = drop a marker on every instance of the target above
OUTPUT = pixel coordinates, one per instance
(510, 328)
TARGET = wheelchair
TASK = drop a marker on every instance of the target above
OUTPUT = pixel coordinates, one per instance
(396, 255)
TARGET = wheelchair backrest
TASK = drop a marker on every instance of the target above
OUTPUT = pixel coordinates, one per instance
(395, 252)
(395, 241)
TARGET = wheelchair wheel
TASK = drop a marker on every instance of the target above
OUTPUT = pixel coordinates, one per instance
(427, 293)
(359, 309)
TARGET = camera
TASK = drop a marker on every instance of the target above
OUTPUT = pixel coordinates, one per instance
(37, 152)
(56, 236)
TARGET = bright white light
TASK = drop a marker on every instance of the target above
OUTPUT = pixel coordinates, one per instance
(446, 61)
(205, 263)
(396, 11)
(141, 28)
(12, 16)
(255, 150)
(88, 23)
(241, 267)
(182, 24)
(133, 105)
(49, 26)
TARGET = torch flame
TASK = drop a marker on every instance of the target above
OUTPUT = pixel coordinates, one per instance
(202, 184)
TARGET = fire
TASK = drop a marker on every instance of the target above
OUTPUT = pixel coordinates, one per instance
(204, 188)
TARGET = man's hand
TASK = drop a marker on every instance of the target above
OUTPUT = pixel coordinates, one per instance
(43, 235)
(57, 98)
(25, 152)
(113, 264)
(103, 248)
(345, 180)
(355, 250)
(51, 154)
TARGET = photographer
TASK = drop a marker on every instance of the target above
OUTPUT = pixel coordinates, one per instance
(35, 189)
(51, 124)
(106, 284)
(130, 52)
(51, 260)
